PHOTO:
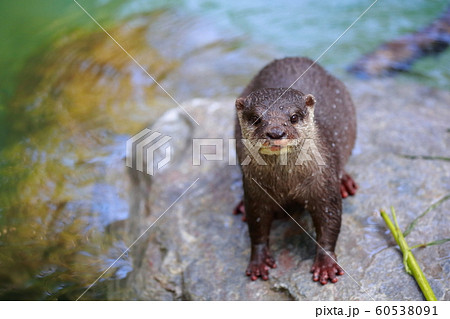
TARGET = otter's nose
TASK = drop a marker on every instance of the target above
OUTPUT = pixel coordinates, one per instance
(276, 133)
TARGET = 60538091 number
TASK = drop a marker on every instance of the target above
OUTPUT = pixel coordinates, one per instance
(406, 310)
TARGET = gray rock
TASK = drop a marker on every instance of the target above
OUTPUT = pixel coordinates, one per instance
(198, 250)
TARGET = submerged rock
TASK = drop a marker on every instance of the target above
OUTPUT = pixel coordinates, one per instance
(196, 249)
(400, 54)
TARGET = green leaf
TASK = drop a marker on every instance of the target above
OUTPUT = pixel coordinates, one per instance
(429, 209)
(436, 242)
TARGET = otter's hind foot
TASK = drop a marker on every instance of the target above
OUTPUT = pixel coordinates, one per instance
(348, 185)
(240, 209)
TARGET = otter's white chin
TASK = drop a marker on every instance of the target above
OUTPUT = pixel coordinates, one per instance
(275, 150)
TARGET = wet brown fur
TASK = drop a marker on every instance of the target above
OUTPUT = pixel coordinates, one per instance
(331, 123)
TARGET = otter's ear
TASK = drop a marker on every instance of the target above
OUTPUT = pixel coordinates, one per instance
(310, 101)
(240, 104)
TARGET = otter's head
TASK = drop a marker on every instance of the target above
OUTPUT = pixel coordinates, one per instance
(278, 117)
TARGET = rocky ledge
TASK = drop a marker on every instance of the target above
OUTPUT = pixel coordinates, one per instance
(196, 249)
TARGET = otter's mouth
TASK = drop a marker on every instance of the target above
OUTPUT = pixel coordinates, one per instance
(276, 147)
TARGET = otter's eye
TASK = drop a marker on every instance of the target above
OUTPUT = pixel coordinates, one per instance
(294, 118)
(255, 120)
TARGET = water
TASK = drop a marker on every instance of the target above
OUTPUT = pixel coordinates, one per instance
(70, 99)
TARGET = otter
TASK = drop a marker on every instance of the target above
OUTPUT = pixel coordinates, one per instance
(302, 121)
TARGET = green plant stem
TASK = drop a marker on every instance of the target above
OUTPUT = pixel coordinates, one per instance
(410, 262)
(425, 157)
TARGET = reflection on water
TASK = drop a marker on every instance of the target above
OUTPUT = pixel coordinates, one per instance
(76, 102)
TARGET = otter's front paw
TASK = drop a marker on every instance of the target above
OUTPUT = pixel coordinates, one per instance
(325, 268)
(260, 264)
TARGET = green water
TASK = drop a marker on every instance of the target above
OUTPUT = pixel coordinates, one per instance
(290, 27)
(70, 98)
